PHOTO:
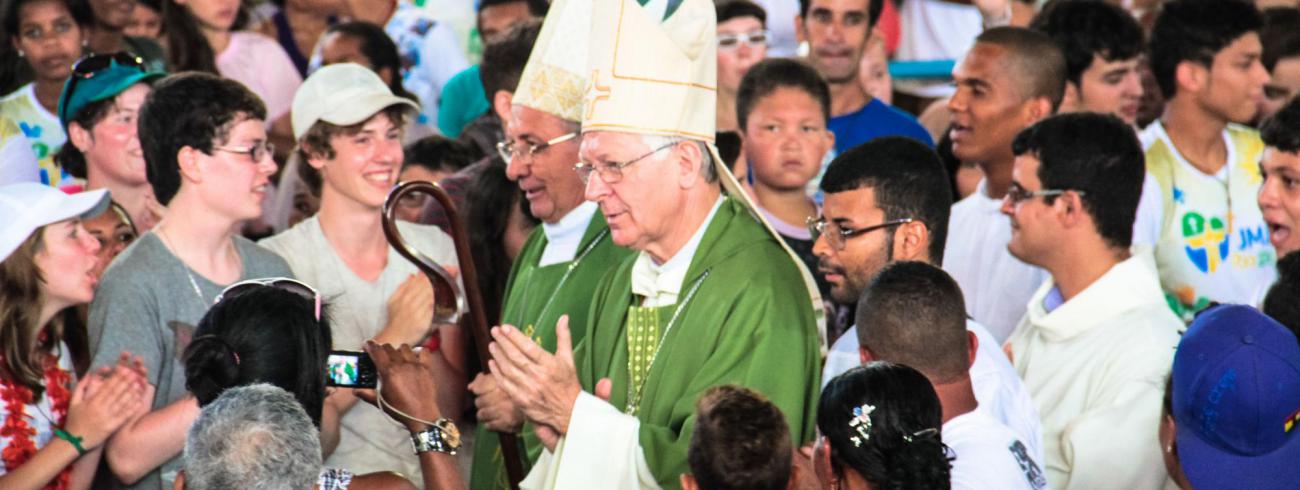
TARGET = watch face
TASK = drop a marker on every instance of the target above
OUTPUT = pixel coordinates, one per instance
(450, 434)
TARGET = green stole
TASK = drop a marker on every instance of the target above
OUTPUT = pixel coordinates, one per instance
(533, 304)
(743, 318)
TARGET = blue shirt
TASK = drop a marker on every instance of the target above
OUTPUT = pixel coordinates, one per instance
(872, 121)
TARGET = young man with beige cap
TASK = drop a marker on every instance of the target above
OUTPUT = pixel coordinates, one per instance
(348, 126)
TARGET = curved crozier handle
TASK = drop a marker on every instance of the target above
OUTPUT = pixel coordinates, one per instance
(449, 299)
(448, 296)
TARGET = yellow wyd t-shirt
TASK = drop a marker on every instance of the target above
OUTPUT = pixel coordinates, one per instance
(43, 130)
(1213, 243)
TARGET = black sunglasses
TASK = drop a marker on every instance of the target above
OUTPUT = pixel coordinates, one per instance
(87, 67)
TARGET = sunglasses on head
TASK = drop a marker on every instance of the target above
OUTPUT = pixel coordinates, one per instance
(87, 67)
(283, 283)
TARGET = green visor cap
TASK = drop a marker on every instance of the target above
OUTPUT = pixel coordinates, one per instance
(81, 90)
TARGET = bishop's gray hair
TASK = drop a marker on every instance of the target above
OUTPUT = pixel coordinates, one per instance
(254, 436)
(710, 174)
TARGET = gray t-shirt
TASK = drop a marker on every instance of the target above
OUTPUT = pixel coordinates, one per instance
(369, 440)
(146, 305)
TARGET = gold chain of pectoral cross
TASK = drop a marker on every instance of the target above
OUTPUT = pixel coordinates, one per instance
(634, 396)
(530, 329)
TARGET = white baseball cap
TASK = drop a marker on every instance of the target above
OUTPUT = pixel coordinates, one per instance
(26, 206)
(342, 94)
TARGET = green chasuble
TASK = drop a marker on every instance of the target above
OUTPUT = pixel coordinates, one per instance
(743, 318)
(534, 301)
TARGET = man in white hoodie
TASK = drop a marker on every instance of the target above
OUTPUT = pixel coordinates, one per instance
(1097, 339)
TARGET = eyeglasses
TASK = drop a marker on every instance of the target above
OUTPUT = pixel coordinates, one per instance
(257, 152)
(282, 283)
(612, 173)
(1017, 194)
(837, 236)
(732, 40)
(509, 150)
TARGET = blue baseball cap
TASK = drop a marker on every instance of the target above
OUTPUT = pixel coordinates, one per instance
(1236, 401)
(99, 77)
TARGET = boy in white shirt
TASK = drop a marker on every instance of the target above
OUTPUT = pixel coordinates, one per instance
(1205, 55)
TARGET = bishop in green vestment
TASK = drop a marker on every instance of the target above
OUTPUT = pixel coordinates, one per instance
(712, 297)
(565, 259)
(536, 297)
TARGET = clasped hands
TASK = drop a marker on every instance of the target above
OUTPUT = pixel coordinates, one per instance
(527, 382)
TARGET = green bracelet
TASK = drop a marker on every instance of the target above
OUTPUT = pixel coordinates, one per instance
(74, 440)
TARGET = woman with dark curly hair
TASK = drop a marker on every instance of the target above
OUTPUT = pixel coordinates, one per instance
(880, 431)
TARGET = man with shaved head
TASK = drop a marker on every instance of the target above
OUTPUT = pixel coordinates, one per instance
(1012, 78)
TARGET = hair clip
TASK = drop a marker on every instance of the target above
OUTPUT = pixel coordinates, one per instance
(920, 433)
(861, 422)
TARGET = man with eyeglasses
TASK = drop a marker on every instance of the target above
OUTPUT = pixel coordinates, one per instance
(559, 267)
(837, 32)
(205, 145)
(1097, 340)
(881, 207)
(711, 297)
(742, 42)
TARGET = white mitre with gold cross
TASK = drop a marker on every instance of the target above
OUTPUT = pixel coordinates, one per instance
(554, 80)
(652, 69)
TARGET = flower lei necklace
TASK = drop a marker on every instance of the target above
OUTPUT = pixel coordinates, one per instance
(16, 399)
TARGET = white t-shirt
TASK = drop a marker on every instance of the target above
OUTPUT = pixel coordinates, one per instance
(369, 440)
(997, 386)
(1214, 245)
(989, 455)
(997, 286)
(17, 162)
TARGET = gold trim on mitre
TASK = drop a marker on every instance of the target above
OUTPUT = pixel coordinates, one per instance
(652, 77)
(553, 81)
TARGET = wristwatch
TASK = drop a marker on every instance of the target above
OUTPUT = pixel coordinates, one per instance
(442, 436)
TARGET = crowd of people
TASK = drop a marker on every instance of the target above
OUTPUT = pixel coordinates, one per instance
(731, 244)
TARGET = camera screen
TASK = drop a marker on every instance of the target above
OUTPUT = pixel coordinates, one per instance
(343, 369)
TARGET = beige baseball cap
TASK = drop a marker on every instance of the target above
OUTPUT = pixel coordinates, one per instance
(342, 94)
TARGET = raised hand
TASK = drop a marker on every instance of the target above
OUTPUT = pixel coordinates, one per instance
(406, 383)
(410, 312)
(543, 386)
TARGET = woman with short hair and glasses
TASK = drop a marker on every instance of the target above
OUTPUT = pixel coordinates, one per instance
(98, 110)
(205, 144)
(742, 42)
(55, 421)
